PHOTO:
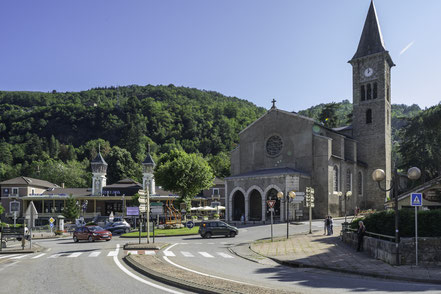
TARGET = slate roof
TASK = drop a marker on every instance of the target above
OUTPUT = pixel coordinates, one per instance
(268, 172)
(29, 182)
(148, 160)
(371, 40)
(99, 159)
(68, 191)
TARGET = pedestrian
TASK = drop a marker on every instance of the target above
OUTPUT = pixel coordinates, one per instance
(360, 234)
(328, 224)
(325, 225)
(242, 218)
(331, 226)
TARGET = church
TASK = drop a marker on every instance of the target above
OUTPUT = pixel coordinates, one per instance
(283, 151)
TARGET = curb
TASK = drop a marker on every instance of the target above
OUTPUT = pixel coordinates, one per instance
(156, 236)
(170, 280)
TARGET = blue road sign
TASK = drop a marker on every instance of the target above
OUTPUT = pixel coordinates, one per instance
(190, 224)
(416, 199)
(52, 225)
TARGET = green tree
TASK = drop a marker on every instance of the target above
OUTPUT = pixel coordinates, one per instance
(184, 174)
(220, 164)
(72, 210)
(5, 153)
(328, 115)
(121, 165)
(2, 209)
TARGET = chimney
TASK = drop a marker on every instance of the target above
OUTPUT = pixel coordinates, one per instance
(62, 185)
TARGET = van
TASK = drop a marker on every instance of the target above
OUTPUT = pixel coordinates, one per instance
(217, 228)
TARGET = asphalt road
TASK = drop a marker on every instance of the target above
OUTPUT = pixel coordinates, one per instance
(97, 268)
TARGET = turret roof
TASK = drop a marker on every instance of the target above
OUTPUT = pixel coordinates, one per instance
(99, 159)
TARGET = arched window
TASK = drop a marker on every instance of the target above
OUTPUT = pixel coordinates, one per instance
(360, 184)
(362, 93)
(369, 116)
(335, 179)
(368, 92)
(348, 180)
(374, 92)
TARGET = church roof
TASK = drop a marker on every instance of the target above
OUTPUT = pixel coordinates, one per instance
(148, 160)
(371, 40)
(99, 159)
(268, 172)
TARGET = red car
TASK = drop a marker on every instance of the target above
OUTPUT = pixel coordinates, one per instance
(91, 233)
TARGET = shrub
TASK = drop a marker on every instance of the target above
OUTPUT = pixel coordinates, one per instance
(59, 232)
(383, 222)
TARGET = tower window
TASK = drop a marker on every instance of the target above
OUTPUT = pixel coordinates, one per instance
(369, 116)
(348, 180)
(360, 184)
(336, 179)
(368, 92)
(374, 92)
(362, 93)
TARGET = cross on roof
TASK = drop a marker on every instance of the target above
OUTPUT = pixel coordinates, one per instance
(274, 103)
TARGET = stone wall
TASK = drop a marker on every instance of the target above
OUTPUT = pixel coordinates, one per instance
(429, 249)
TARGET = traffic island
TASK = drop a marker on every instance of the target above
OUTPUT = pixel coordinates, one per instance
(156, 269)
(144, 246)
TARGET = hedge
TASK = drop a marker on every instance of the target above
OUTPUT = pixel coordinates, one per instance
(383, 222)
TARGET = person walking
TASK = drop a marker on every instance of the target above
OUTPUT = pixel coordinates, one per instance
(360, 234)
(331, 226)
(328, 225)
(325, 225)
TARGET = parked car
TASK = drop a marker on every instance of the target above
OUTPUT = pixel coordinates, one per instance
(118, 227)
(215, 227)
(91, 233)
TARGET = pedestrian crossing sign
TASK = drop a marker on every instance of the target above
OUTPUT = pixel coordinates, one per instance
(416, 199)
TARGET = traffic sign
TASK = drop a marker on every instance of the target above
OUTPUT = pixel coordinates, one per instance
(51, 220)
(271, 203)
(190, 224)
(52, 225)
(416, 199)
(271, 209)
(142, 200)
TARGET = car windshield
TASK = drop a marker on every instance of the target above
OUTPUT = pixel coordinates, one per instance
(95, 228)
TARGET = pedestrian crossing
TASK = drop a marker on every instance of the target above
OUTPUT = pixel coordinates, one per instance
(95, 254)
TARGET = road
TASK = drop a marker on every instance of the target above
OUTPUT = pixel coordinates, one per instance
(97, 268)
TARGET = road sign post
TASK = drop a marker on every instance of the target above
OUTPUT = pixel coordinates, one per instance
(416, 200)
(271, 209)
(310, 203)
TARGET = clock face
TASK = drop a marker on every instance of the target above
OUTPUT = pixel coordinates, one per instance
(368, 72)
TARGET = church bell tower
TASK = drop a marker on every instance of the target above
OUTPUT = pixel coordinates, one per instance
(99, 171)
(371, 75)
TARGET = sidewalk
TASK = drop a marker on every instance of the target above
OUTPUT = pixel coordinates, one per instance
(329, 252)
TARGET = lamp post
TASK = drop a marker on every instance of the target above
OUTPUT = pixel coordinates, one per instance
(291, 195)
(378, 175)
(84, 208)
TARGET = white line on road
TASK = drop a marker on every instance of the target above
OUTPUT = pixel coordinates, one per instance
(38, 256)
(94, 254)
(132, 252)
(113, 253)
(115, 259)
(149, 252)
(224, 255)
(206, 254)
(187, 254)
(169, 253)
(7, 255)
(18, 257)
(199, 273)
(75, 254)
(55, 255)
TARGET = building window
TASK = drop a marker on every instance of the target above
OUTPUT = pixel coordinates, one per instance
(274, 146)
(374, 92)
(369, 116)
(362, 93)
(360, 184)
(14, 191)
(368, 92)
(336, 179)
(215, 191)
(348, 180)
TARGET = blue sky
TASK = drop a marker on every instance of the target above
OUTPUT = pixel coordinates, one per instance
(295, 51)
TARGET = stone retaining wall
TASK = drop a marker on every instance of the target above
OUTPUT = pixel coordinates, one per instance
(429, 249)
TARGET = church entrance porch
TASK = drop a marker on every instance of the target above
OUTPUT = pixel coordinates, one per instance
(255, 206)
(238, 205)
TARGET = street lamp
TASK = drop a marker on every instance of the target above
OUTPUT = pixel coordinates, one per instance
(291, 195)
(378, 175)
(346, 195)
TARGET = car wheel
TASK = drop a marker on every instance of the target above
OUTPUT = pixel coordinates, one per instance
(207, 235)
(75, 239)
(232, 234)
(107, 240)
(91, 239)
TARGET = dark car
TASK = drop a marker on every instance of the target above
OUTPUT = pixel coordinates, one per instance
(91, 233)
(215, 228)
(118, 227)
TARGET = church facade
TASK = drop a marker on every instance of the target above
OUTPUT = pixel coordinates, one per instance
(283, 151)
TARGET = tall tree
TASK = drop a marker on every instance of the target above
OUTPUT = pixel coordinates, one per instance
(328, 115)
(184, 174)
(72, 210)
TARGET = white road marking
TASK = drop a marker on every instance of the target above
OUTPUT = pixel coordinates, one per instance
(38, 256)
(115, 259)
(224, 255)
(55, 255)
(113, 253)
(7, 255)
(206, 254)
(18, 257)
(75, 254)
(132, 252)
(199, 273)
(95, 254)
(149, 252)
(169, 253)
(187, 254)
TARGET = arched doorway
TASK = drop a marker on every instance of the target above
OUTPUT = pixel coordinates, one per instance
(255, 206)
(272, 195)
(238, 205)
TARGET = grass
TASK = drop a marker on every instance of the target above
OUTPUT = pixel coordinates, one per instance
(165, 232)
